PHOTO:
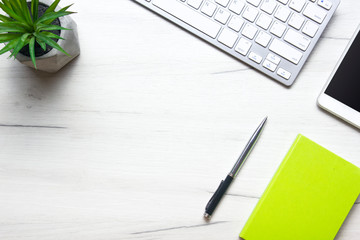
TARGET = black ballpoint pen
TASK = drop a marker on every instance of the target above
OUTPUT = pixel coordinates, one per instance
(224, 185)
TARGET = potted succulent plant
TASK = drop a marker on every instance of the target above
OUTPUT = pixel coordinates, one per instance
(39, 33)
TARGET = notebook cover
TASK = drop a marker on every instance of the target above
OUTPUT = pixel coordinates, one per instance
(309, 196)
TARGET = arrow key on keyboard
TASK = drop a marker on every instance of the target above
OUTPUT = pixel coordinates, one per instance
(269, 65)
(255, 57)
(283, 73)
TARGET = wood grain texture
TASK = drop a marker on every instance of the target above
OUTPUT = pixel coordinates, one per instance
(130, 140)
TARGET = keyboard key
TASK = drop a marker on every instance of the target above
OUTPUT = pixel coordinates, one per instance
(255, 57)
(278, 29)
(273, 58)
(296, 21)
(297, 5)
(283, 73)
(228, 37)
(236, 23)
(249, 31)
(310, 28)
(250, 13)
(209, 8)
(254, 2)
(297, 39)
(285, 51)
(222, 16)
(282, 13)
(269, 65)
(236, 6)
(263, 39)
(268, 6)
(315, 13)
(223, 3)
(325, 4)
(243, 46)
(195, 3)
(273, 36)
(283, 1)
(189, 16)
(264, 21)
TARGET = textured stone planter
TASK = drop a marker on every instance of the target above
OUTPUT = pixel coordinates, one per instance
(54, 60)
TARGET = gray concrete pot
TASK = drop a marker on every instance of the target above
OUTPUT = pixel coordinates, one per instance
(54, 60)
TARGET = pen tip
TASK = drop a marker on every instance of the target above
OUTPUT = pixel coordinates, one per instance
(207, 216)
(264, 121)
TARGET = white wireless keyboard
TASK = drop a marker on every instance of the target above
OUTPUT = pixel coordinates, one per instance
(273, 36)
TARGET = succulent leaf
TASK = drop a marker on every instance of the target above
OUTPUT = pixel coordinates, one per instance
(11, 28)
(53, 6)
(25, 11)
(32, 50)
(65, 8)
(11, 12)
(5, 18)
(10, 45)
(34, 9)
(50, 27)
(48, 18)
(41, 43)
(8, 37)
(22, 42)
(51, 35)
(50, 42)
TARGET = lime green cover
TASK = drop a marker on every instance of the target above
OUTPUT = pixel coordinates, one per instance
(309, 196)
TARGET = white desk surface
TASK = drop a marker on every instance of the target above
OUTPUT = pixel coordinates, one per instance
(132, 138)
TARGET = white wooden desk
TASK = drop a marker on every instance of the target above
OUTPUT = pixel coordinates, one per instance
(130, 140)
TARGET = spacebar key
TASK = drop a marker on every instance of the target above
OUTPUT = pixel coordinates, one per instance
(189, 16)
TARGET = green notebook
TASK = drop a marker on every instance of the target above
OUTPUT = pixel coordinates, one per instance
(309, 196)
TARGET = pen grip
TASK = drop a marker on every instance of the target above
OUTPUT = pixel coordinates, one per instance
(216, 198)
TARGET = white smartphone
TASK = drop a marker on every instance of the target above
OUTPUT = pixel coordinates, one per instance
(341, 94)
